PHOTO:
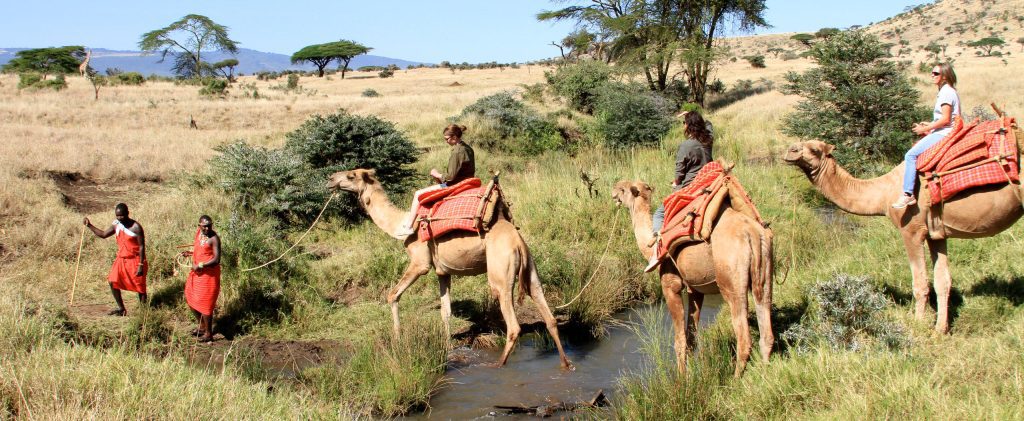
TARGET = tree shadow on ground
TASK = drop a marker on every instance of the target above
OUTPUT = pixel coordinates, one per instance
(1012, 289)
(256, 303)
(169, 295)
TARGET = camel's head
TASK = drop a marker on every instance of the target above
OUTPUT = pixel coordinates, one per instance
(626, 191)
(353, 181)
(808, 155)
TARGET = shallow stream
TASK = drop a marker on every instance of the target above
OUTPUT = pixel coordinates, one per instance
(532, 376)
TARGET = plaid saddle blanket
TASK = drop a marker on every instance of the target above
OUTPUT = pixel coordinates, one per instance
(972, 155)
(690, 212)
(453, 208)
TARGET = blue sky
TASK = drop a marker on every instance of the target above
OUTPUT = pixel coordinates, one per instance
(430, 31)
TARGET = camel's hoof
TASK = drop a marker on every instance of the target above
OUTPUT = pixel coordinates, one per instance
(567, 366)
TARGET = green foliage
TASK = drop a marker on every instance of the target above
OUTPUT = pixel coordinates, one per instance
(215, 87)
(46, 61)
(579, 83)
(804, 39)
(847, 314)
(628, 115)
(826, 32)
(370, 93)
(28, 80)
(293, 82)
(386, 73)
(756, 62)
(320, 55)
(534, 92)
(503, 123)
(289, 183)
(130, 78)
(987, 44)
(226, 68)
(186, 39)
(856, 100)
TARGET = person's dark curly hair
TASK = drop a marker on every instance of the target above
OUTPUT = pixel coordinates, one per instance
(697, 129)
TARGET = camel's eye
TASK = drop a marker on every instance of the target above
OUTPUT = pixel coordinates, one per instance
(350, 176)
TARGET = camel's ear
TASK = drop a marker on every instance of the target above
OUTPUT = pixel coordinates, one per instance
(826, 149)
(369, 176)
(635, 191)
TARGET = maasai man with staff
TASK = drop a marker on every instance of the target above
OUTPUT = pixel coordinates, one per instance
(130, 266)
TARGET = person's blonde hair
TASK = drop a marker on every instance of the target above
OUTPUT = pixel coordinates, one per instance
(454, 130)
(947, 74)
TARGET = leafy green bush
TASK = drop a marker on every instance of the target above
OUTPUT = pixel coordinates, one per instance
(215, 87)
(293, 81)
(371, 93)
(386, 73)
(855, 99)
(534, 92)
(846, 313)
(130, 78)
(579, 82)
(756, 62)
(630, 115)
(57, 83)
(28, 80)
(504, 123)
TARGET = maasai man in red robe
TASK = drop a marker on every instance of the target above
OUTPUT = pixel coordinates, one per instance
(203, 284)
(130, 266)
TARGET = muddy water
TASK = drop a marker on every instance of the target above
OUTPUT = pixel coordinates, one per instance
(532, 376)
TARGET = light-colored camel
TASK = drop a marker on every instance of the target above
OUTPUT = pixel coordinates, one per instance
(501, 253)
(737, 259)
(978, 212)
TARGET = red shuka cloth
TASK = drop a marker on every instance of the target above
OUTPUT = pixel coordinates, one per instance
(203, 285)
(122, 273)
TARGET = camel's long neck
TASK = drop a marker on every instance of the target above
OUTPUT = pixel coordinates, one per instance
(383, 213)
(640, 214)
(862, 197)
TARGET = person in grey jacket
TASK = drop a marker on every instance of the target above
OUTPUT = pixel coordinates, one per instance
(692, 155)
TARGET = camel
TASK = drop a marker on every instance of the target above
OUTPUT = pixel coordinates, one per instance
(501, 253)
(979, 212)
(737, 259)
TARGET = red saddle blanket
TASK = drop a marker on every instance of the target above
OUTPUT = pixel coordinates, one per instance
(450, 209)
(972, 155)
(691, 211)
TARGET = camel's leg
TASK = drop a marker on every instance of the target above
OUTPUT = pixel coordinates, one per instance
(671, 288)
(537, 293)
(915, 253)
(444, 282)
(501, 274)
(763, 307)
(694, 304)
(412, 273)
(942, 283)
(738, 315)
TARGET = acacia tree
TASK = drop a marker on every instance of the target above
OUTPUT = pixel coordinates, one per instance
(856, 99)
(987, 44)
(651, 35)
(320, 55)
(192, 35)
(53, 60)
(226, 68)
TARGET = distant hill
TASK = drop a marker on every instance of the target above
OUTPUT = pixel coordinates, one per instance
(249, 61)
(950, 24)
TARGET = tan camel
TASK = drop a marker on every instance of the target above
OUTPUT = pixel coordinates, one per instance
(736, 260)
(979, 212)
(501, 253)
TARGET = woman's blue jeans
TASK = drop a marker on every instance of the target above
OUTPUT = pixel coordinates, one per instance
(659, 219)
(910, 172)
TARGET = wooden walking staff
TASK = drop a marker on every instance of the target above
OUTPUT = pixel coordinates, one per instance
(78, 259)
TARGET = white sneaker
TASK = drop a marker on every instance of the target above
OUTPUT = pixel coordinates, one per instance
(403, 232)
(653, 263)
(904, 201)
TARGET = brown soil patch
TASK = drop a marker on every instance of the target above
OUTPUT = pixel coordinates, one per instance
(346, 294)
(86, 195)
(455, 84)
(278, 358)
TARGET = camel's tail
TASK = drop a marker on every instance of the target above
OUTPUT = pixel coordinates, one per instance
(526, 270)
(762, 266)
